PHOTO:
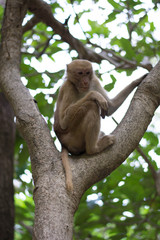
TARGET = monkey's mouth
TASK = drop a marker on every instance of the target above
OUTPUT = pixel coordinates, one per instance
(84, 89)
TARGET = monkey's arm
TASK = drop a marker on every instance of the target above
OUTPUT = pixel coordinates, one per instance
(71, 111)
(115, 103)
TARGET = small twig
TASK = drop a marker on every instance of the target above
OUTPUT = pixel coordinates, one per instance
(153, 171)
(115, 120)
(45, 47)
(29, 228)
(115, 59)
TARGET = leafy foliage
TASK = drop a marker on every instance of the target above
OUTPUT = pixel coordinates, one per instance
(124, 209)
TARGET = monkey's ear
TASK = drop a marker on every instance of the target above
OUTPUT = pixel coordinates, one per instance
(67, 67)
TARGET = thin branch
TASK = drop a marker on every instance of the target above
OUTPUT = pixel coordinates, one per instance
(28, 228)
(117, 60)
(45, 47)
(153, 171)
(35, 73)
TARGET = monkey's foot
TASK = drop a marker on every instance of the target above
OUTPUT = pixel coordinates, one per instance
(111, 139)
(106, 141)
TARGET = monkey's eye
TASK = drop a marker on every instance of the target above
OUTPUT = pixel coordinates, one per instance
(87, 73)
(80, 73)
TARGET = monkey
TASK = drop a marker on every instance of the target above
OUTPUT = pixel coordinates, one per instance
(81, 102)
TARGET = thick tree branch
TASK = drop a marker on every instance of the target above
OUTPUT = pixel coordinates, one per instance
(49, 178)
(43, 11)
(90, 170)
(29, 119)
(47, 172)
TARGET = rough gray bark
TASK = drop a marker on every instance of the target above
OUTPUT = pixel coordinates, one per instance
(7, 136)
(54, 206)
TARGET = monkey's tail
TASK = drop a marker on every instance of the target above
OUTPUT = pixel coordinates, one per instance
(66, 165)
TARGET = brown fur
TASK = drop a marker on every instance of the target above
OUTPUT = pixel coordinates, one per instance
(80, 104)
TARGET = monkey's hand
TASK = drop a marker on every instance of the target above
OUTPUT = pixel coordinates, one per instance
(104, 107)
(103, 113)
(101, 101)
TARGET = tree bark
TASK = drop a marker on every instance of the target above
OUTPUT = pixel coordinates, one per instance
(7, 137)
(54, 206)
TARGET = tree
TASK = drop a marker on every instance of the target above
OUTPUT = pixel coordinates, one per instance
(7, 136)
(54, 206)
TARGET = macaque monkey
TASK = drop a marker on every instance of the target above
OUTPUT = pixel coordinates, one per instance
(80, 104)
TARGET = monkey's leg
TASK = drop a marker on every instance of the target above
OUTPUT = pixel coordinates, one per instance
(95, 142)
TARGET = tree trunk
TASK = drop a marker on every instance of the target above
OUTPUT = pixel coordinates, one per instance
(7, 133)
(54, 212)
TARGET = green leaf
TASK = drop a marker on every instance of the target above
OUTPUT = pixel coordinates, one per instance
(98, 29)
(126, 45)
(45, 108)
(157, 150)
(114, 4)
(152, 138)
(110, 86)
(111, 17)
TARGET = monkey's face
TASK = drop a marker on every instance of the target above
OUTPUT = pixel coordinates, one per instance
(80, 73)
(83, 79)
